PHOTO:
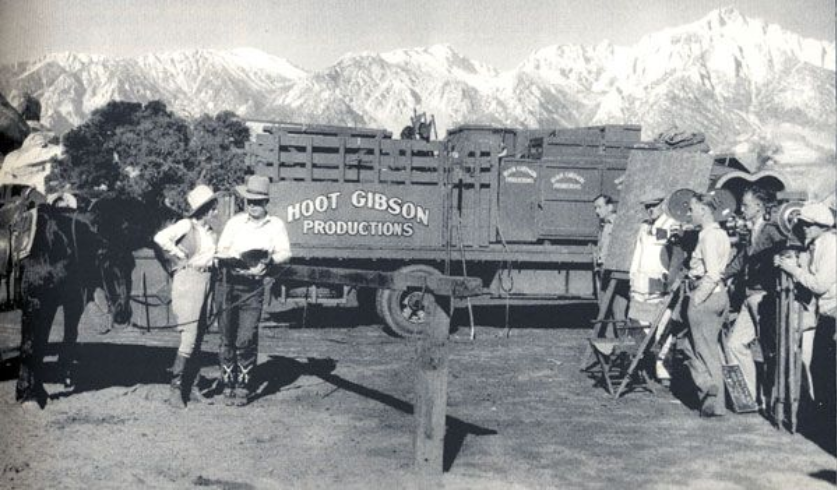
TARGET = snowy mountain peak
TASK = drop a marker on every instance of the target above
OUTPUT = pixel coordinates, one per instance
(257, 59)
(727, 16)
(249, 59)
(71, 60)
(737, 79)
(439, 57)
(351, 56)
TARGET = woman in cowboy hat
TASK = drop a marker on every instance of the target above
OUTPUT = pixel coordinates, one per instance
(251, 241)
(190, 243)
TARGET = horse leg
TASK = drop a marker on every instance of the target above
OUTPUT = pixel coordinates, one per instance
(73, 309)
(36, 323)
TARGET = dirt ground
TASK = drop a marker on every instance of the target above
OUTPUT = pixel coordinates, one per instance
(334, 410)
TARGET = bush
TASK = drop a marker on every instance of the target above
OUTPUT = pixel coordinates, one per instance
(149, 153)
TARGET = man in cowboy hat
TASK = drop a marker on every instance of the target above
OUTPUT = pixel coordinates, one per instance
(650, 267)
(190, 243)
(818, 274)
(250, 242)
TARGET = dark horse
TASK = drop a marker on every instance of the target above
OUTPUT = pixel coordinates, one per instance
(72, 254)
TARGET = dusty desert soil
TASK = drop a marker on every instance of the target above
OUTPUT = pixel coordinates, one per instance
(334, 411)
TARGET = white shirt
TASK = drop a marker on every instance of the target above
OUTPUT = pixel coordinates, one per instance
(651, 260)
(603, 245)
(243, 233)
(820, 276)
(168, 237)
(712, 254)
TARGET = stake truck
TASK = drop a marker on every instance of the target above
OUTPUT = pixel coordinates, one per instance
(512, 207)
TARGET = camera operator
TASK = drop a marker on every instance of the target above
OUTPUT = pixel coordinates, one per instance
(707, 304)
(753, 263)
(818, 274)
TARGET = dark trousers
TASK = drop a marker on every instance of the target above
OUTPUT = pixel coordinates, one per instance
(34, 336)
(37, 315)
(621, 293)
(240, 304)
(704, 349)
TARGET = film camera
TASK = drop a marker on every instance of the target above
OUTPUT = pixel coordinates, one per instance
(685, 233)
(784, 214)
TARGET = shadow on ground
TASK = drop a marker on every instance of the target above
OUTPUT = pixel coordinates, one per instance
(281, 371)
(314, 316)
(100, 366)
(564, 316)
(574, 316)
(104, 365)
(829, 476)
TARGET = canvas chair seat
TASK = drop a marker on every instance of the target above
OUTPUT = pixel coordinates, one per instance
(609, 347)
(616, 355)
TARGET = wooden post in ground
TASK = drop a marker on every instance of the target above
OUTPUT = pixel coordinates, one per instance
(431, 397)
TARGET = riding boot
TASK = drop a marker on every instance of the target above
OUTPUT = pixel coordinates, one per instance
(191, 375)
(244, 388)
(176, 394)
(67, 361)
(228, 383)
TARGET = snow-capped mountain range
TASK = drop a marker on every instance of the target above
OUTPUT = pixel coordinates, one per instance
(739, 80)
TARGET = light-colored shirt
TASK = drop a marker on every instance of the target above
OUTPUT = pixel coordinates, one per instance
(202, 256)
(603, 245)
(711, 255)
(755, 229)
(243, 233)
(820, 276)
(651, 260)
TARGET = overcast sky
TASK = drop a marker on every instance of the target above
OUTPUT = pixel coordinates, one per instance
(313, 34)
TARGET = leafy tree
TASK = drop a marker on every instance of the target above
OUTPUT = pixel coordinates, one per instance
(128, 149)
(217, 145)
(153, 153)
(89, 165)
(149, 153)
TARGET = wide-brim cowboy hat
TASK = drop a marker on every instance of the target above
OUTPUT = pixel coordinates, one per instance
(817, 214)
(257, 187)
(200, 197)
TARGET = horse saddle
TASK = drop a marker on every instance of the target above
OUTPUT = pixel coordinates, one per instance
(17, 234)
(23, 234)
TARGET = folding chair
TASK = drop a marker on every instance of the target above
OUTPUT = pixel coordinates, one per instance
(621, 358)
(617, 358)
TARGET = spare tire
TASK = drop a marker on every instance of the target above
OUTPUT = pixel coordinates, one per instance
(406, 313)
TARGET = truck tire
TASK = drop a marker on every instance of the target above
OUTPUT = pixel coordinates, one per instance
(402, 311)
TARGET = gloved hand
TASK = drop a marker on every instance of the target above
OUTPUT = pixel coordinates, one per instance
(257, 270)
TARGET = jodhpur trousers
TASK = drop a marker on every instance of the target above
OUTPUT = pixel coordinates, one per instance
(704, 360)
(190, 291)
(238, 322)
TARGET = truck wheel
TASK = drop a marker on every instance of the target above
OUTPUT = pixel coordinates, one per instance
(403, 312)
